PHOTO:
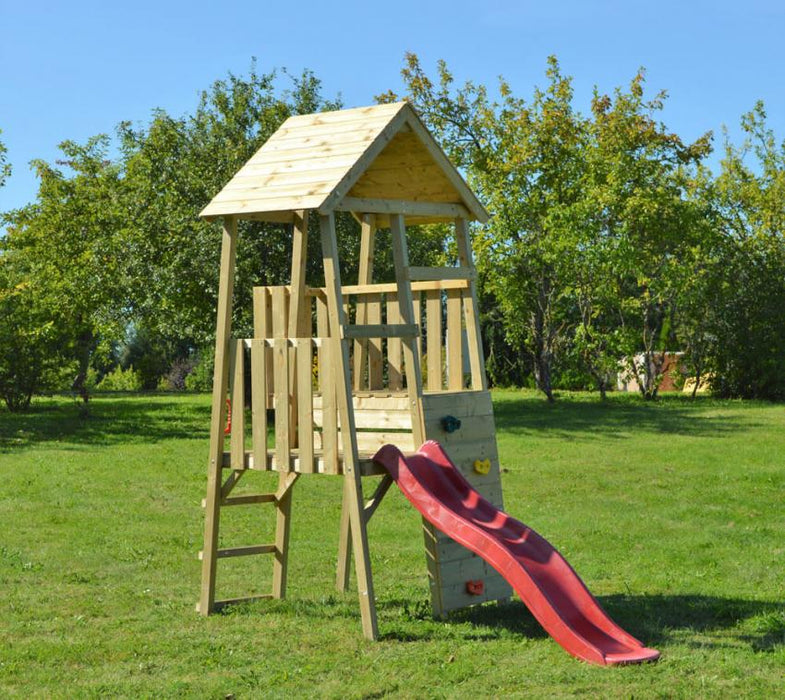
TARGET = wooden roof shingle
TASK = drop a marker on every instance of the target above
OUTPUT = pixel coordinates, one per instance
(380, 157)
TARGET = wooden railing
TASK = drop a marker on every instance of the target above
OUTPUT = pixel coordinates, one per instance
(298, 372)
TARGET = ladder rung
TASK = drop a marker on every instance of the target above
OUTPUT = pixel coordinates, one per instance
(244, 500)
(382, 330)
(220, 604)
(428, 274)
(250, 498)
(242, 551)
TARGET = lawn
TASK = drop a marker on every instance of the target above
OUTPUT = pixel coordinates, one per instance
(671, 512)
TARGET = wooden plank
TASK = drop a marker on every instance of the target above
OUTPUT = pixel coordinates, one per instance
(305, 406)
(370, 442)
(394, 364)
(293, 129)
(454, 341)
(259, 400)
(246, 551)
(353, 496)
(364, 277)
(375, 420)
(253, 191)
(228, 602)
(373, 503)
(392, 287)
(455, 595)
(299, 259)
(375, 380)
(442, 210)
(237, 393)
(249, 499)
(433, 329)
(344, 115)
(319, 167)
(471, 309)
(381, 330)
(281, 390)
(363, 133)
(472, 429)
(428, 274)
(218, 418)
(330, 410)
(381, 401)
(264, 176)
(459, 404)
(241, 207)
(417, 308)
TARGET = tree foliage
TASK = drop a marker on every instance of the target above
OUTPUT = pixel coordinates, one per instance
(747, 297)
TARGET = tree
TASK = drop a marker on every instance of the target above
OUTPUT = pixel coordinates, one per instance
(525, 161)
(748, 354)
(30, 339)
(69, 245)
(646, 241)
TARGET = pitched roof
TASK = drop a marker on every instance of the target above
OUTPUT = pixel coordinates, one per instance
(353, 159)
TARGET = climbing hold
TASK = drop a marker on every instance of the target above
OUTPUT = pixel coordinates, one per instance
(228, 428)
(450, 424)
(482, 466)
(475, 587)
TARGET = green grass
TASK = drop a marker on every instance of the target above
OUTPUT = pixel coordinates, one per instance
(671, 512)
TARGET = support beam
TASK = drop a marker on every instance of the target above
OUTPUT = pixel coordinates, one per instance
(283, 501)
(353, 496)
(220, 384)
(470, 308)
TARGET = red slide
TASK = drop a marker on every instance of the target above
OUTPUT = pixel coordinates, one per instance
(542, 578)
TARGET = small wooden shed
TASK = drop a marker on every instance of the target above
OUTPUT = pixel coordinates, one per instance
(381, 164)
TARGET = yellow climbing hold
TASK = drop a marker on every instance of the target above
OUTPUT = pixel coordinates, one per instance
(482, 466)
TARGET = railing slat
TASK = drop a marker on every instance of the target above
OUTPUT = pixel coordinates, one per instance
(433, 321)
(237, 393)
(454, 341)
(259, 354)
(305, 406)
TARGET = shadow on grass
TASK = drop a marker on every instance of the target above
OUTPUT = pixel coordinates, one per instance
(654, 619)
(113, 419)
(618, 417)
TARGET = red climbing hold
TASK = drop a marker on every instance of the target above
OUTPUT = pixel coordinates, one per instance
(475, 587)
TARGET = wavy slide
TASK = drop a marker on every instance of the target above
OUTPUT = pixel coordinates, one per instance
(542, 578)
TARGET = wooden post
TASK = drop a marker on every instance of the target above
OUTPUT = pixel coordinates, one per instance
(470, 309)
(286, 419)
(223, 328)
(364, 276)
(353, 496)
(406, 312)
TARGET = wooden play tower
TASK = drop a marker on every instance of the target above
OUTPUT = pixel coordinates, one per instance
(341, 365)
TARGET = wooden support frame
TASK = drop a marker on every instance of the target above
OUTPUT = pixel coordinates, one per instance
(220, 383)
(352, 493)
(285, 355)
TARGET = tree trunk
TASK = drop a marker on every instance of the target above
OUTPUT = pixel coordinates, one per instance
(84, 349)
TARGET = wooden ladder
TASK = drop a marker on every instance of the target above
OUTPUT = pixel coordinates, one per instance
(229, 371)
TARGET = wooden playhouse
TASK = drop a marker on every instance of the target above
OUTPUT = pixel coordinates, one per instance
(341, 365)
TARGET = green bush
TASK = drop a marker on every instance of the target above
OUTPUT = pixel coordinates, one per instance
(200, 378)
(121, 380)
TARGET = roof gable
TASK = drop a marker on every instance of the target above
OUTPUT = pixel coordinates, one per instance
(315, 161)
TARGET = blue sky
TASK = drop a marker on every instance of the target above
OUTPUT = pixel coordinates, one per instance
(69, 70)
